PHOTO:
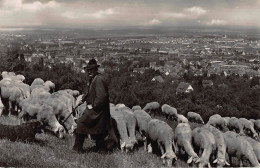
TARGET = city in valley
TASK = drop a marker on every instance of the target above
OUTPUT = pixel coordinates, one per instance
(203, 52)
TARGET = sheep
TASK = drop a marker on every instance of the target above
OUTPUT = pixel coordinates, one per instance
(142, 119)
(50, 85)
(240, 148)
(182, 119)
(24, 132)
(226, 119)
(162, 134)
(169, 112)
(151, 107)
(126, 124)
(256, 146)
(37, 81)
(137, 107)
(248, 127)
(182, 138)
(43, 113)
(257, 125)
(120, 105)
(194, 117)
(236, 126)
(217, 121)
(220, 146)
(205, 143)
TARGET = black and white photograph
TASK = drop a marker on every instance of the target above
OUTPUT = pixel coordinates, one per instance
(130, 83)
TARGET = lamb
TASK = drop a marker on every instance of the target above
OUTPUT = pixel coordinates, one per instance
(240, 148)
(126, 124)
(194, 117)
(142, 119)
(182, 138)
(248, 127)
(169, 112)
(203, 140)
(162, 134)
(24, 132)
(217, 121)
(182, 119)
(151, 107)
(220, 146)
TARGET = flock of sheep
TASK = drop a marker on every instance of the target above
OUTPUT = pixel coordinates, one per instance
(207, 144)
(215, 142)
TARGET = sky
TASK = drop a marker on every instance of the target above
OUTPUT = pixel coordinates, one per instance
(146, 13)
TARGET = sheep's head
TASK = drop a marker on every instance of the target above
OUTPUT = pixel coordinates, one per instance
(221, 162)
(204, 163)
(127, 146)
(168, 158)
(193, 159)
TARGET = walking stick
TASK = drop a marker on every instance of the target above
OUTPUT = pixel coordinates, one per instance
(70, 114)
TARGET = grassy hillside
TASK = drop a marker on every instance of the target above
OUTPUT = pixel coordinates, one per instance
(50, 151)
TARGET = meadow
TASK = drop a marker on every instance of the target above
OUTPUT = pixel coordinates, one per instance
(49, 151)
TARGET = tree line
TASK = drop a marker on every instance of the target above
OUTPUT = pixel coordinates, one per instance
(239, 97)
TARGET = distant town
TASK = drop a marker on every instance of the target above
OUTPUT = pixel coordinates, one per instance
(172, 55)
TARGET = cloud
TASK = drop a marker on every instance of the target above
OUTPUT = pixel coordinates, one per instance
(196, 10)
(154, 22)
(100, 14)
(216, 22)
(18, 5)
(174, 15)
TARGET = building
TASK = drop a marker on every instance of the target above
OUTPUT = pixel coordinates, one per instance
(184, 88)
(207, 83)
(158, 79)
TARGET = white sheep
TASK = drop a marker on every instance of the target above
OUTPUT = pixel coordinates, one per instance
(217, 121)
(204, 141)
(235, 125)
(256, 146)
(194, 117)
(183, 138)
(137, 107)
(248, 127)
(162, 134)
(220, 146)
(126, 124)
(142, 124)
(151, 107)
(256, 125)
(240, 148)
(169, 112)
(182, 119)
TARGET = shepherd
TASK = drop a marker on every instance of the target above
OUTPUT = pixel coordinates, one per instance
(96, 119)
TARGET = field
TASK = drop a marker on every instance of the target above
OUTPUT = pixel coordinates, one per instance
(50, 151)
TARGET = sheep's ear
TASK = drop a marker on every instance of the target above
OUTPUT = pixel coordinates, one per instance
(163, 156)
(215, 161)
(122, 145)
(227, 163)
(197, 161)
(189, 160)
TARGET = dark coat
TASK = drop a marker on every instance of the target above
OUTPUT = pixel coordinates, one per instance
(97, 120)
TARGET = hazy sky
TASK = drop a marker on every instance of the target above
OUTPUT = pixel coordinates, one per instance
(84, 13)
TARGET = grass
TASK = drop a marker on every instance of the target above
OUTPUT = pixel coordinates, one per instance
(50, 151)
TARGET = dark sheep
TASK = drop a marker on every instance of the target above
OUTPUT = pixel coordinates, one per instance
(23, 132)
